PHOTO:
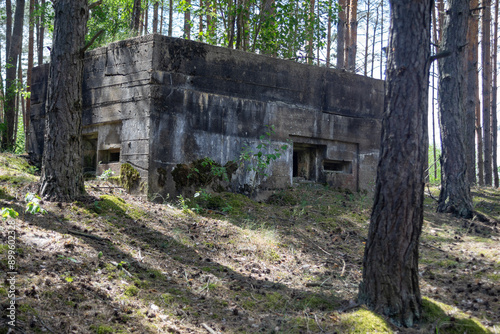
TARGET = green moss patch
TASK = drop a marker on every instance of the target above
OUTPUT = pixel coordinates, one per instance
(364, 321)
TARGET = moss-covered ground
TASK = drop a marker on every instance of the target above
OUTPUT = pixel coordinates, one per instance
(116, 263)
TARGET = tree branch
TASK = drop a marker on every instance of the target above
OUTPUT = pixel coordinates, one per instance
(95, 4)
(440, 55)
(91, 41)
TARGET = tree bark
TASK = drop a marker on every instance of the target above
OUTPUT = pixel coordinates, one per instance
(455, 191)
(187, 22)
(155, 17)
(11, 76)
(170, 17)
(329, 35)
(486, 85)
(341, 32)
(367, 38)
(41, 34)
(136, 16)
(31, 42)
(390, 283)
(494, 122)
(62, 177)
(472, 93)
(353, 36)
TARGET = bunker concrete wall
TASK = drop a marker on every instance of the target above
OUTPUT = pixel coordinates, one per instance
(209, 101)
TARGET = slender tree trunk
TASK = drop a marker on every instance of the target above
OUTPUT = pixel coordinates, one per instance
(200, 30)
(455, 191)
(310, 42)
(374, 42)
(494, 123)
(390, 283)
(146, 17)
(136, 16)
(382, 58)
(161, 17)
(11, 75)
(62, 177)
(472, 93)
(31, 42)
(19, 100)
(41, 36)
(486, 85)
(187, 21)
(341, 34)
(155, 17)
(353, 36)
(170, 17)
(367, 37)
(329, 35)
(8, 27)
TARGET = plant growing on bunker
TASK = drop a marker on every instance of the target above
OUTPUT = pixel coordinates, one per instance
(259, 160)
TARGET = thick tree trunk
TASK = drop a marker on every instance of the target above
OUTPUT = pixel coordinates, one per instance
(486, 85)
(62, 177)
(341, 32)
(455, 191)
(13, 53)
(390, 266)
(472, 93)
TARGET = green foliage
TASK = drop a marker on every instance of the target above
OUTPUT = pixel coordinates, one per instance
(106, 175)
(434, 169)
(284, 30)
(259, 160)
(8, 212)
(33, 205)
(112, 16)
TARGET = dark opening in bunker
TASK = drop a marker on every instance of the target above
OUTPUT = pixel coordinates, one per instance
(306, 160)
(89, 143)
(337, 166)
(109, 156)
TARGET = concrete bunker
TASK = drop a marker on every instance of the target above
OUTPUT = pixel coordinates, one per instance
(155, 102)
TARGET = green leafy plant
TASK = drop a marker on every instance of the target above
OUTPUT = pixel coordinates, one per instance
(8, 212)
(106, 175)
(259, 160)
(33, 205)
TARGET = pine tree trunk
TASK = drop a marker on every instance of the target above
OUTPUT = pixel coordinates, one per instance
(472, 93)
(367, 38)
(31, 42)
(62, 177)
(40, 36)
(155, 17)
(353, 36)
(329, 35)
(12, 57)
(136, 16)
(390, 266)
(170, 17)
(455, 191)
(341, 32)
(494, 122)
(187, 22)
(486, 85)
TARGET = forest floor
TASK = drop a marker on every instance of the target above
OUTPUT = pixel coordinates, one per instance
(116, 263)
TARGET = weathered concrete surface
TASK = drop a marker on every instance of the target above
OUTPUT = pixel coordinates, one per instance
(161, 101)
